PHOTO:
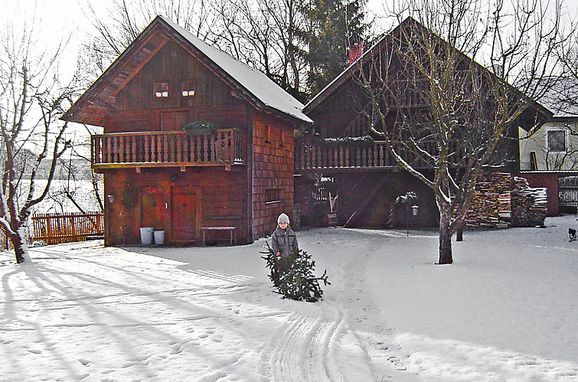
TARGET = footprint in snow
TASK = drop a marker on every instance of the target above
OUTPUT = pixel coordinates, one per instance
(176, 349)
(84, 361)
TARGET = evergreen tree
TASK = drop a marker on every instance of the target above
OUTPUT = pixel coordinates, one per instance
(293, 275)
(335, 26)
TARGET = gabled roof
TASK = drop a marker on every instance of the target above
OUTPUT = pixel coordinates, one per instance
(252, 85)
(352, 69)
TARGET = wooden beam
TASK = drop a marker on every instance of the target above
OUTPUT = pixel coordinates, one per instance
(135, 70)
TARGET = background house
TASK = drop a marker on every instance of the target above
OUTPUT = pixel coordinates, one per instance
(192, 139)
(549, 156)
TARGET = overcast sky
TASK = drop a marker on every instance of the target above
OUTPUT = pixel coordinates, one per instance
(57, 19)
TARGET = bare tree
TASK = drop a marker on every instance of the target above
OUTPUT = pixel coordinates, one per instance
(32, 98)
(446, 117)
(267, 35)
(125, 19)
(73, 173)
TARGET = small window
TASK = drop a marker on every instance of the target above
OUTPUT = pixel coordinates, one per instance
(282, 138)
(161, 90)
(187, 88)
(273, 195)
(557, 141)
(267, 134)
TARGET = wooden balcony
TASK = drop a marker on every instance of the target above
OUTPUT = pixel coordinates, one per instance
(166, 149)
(316, 157)
(312, 157)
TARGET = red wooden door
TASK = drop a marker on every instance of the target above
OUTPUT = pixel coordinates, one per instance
(183, 215)
(153, 208)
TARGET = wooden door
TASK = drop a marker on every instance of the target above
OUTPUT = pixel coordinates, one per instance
(184, 215)
(174, 120)
(153, 208)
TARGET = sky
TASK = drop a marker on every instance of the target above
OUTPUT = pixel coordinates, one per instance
(57, 20)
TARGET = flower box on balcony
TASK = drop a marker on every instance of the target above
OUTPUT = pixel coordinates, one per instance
(200, 128)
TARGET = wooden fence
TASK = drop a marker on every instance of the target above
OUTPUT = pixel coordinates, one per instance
(55, 228)
(568, 191)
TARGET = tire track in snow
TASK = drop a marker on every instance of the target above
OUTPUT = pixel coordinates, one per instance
(305, 348)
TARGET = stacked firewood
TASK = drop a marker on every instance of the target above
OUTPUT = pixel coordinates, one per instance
(491, 203)
(528, 204)
(501, 200)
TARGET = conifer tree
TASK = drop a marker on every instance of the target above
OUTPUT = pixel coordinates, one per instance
(335, 25)
(293, 275)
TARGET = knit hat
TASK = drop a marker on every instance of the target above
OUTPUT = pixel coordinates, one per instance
(283, 218)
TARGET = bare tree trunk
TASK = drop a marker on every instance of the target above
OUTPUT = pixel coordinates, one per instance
(20, 247)
(445, 239)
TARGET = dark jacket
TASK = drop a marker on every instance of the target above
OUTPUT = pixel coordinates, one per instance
(284, 241)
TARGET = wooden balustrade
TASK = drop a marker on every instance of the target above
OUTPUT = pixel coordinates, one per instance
(317, 156)
(166, 148)
(55, 228)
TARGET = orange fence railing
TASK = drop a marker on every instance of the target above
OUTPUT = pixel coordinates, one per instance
(54, 228)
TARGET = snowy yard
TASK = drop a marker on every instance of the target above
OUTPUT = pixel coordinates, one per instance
(507, 310)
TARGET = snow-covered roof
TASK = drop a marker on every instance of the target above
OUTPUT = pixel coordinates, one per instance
(255, 82)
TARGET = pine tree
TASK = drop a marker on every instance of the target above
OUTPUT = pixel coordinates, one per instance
(335, 25)
(293, 275)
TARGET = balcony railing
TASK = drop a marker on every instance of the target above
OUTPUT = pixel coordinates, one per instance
(348, 155)
(166, 149)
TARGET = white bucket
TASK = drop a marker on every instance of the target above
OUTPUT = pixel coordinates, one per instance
(159, 237)
(146, 235)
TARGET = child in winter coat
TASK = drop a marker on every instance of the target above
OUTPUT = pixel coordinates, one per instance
(283, 243)
(284, 240)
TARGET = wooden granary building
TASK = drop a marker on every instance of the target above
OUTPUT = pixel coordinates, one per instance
(193, 141)
(346, 152)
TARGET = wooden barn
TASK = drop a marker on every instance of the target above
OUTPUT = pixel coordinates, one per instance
(344, 154)
(195, 143)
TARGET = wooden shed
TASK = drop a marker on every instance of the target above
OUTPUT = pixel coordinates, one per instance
(195, 143)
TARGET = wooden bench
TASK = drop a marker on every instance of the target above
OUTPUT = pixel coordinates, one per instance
(231, 229)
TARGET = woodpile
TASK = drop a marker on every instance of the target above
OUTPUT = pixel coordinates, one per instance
(491, 203)
(528, 204)
(501, 200)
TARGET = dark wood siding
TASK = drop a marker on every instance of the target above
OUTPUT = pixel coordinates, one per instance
(139, 110)
(218, 199)
(272, 170)
(371, 196)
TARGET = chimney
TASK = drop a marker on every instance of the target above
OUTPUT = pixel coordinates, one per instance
(355, 51)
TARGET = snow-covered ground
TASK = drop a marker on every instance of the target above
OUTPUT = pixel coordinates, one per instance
(507, 310)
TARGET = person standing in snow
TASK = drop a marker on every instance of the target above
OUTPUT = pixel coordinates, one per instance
(284, 240)
(283, 243)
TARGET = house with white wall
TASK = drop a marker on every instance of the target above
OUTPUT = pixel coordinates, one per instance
(549, 156)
